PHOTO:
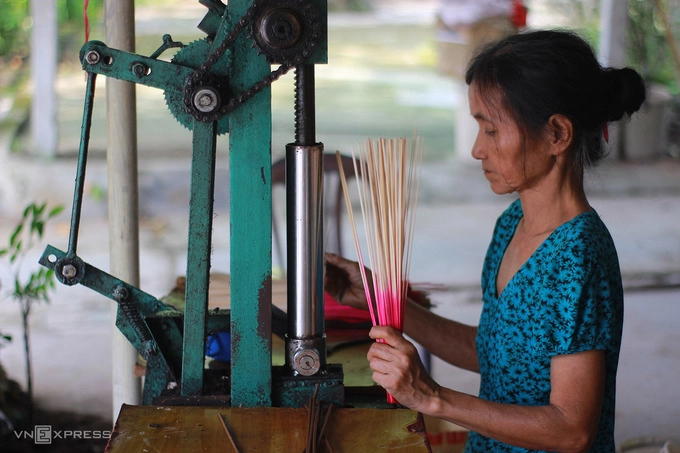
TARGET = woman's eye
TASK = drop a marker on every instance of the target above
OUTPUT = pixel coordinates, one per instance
(490, 133)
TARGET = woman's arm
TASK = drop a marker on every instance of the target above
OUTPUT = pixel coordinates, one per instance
(449, 340)
(568, 424)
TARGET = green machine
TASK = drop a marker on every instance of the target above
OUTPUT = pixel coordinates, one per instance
(217, 85)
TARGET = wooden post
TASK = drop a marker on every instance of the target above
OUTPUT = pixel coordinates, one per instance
(121, 154)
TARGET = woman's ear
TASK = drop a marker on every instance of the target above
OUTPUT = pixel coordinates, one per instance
(560, 132)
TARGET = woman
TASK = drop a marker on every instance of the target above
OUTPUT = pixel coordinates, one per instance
(548, 340)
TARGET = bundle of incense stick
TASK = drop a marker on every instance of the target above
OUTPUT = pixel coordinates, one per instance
(388, 173)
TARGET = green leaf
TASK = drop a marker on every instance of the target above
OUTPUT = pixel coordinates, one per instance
(26, 290)
(15, 235)
(39, 227)
(28, 210)
(38, 284)
(38, 210)
(15, 254)
(55, 211)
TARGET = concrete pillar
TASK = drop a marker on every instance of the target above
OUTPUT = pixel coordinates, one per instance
(466, 126)
(613, 30)
(121, 155)
(43, 119)
(612, 52)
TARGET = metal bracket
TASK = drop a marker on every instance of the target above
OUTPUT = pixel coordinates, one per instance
(135, 306)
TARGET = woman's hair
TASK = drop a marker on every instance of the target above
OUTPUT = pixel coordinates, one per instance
(542, 73)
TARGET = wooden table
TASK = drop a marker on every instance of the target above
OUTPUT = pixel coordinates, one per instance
(261, 430)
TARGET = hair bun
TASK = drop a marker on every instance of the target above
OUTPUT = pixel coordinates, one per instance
(625, 90)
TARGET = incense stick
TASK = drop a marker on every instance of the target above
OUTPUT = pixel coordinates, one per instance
(229, 436)
(388, 172)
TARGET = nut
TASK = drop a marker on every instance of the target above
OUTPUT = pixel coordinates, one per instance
(92, 57)
(69, 271)
(206, 100)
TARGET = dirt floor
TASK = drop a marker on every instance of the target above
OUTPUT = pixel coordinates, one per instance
(50, 431)
(63, 439)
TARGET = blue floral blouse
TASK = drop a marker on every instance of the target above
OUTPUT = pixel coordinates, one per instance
(566, 298)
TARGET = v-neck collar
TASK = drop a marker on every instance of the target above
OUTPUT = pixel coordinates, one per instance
(539, 249)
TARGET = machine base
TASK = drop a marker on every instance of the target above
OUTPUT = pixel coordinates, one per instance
(180, 429)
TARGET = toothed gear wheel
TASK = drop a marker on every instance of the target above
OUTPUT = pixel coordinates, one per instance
(192, 56)
(285, 29)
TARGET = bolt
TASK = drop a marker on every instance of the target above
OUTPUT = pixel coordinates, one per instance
(206, 100)
(307, 362)
(92, 57)
(120, 293)
(140, 70)
(69, 271)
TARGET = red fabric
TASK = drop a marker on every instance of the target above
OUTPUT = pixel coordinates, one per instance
(333, 310)
(519, 14)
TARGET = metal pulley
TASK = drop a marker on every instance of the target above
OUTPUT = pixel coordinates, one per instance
(285, 31)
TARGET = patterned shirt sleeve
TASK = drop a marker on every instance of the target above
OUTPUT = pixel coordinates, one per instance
(583, 294)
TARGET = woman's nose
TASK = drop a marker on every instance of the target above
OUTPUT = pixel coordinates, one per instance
(476, 150)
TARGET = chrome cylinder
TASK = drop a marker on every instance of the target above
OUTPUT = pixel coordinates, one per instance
(306, 341)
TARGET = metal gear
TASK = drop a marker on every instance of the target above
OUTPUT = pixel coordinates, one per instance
(211, 92)
(285, 29)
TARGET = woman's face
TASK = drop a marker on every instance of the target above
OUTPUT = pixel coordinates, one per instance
(511, 161)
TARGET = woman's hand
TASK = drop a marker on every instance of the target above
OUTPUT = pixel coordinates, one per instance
(398, 369)
(343, 281)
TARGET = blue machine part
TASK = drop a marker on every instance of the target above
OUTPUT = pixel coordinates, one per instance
(218, 346)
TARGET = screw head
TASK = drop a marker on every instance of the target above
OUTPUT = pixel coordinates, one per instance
(307, 362)
(206, 100)
(120, 293)
(140, 70)
(69, 271)
(92, 57)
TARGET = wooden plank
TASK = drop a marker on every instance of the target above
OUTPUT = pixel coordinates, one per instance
(263, 429)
